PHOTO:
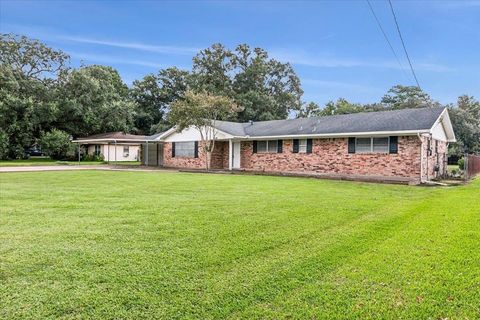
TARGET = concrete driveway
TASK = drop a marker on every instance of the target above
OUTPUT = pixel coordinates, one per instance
(50, 168)
(82, 167)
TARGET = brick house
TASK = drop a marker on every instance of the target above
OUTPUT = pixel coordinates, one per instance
(407, 145)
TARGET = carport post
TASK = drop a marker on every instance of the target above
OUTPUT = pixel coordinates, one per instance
(146, 156)
(115, 153)
(79, 154)
(230, 154)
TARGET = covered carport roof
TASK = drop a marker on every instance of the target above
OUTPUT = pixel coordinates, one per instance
(115, 137)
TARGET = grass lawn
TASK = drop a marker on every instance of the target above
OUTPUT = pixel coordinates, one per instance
(50, 162)
(136, 245)
(452, 167)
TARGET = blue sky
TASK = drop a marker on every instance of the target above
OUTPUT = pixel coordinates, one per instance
(335, 47)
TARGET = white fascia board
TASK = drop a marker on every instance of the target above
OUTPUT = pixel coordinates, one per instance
(174, 130)
(342, 135)
(447, 125)
(166, 133)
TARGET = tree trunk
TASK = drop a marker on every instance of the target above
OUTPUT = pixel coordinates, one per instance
(208, 155)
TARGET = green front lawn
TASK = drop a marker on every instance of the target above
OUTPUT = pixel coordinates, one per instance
(137, 245)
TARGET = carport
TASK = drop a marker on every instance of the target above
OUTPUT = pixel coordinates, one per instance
(151, 150)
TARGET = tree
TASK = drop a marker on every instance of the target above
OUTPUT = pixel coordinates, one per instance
(201, 111)
(31, 57)
(94, 99)
(465, 119)
(341, 106)
(212, 70)
(402, 97)
(265, 88)
(153, 96)
(28, 91)
(57, 145)
(309, 110)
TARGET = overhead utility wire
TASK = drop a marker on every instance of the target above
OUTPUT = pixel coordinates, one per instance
(385, 36)
(403, 44)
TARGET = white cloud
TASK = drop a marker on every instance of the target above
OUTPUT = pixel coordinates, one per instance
(51, 35)
(327, 61)
(89, 58)
(134, 45)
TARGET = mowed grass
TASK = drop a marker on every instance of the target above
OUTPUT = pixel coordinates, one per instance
(132, 245)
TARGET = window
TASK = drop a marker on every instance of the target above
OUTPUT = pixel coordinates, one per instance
(302, 145)
(98, 150)
(363, 145)
(272, 146)
(261, 146)
(380, 145)
(267, 146)
(367, 145)
(126, 151)
(185, 149)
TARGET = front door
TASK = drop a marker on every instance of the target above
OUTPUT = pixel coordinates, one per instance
(236, 155)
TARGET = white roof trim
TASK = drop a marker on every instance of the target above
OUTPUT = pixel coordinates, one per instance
(166, 133)
(174, 130)
(339, 135)
(447, 125)
(137, 141)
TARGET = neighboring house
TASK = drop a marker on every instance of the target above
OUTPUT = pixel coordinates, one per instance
(113, 146)
(402, 145)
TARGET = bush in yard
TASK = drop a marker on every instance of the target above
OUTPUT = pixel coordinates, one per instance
(93, 157)
(3, 145)
(461, 164)
(57, 145)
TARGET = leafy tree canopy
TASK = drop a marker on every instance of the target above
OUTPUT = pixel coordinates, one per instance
(402, 97)
(465, 117)
(94, 99)
(29, 72)
(31, 58)
(265, 88)
(153, 95)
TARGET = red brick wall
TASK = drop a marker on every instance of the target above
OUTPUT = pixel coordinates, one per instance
(219, 158)
(437, 156)
(331, 156)
(220, 155)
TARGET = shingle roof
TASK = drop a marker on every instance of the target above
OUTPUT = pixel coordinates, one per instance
(396, 120)
(114, 136)
(155, 136)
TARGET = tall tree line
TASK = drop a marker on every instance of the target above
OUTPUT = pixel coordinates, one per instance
(40, 93)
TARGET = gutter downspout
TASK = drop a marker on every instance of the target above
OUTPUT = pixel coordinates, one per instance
(421, 157)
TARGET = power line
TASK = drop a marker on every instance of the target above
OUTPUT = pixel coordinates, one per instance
(403, 44)
(385, 36)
